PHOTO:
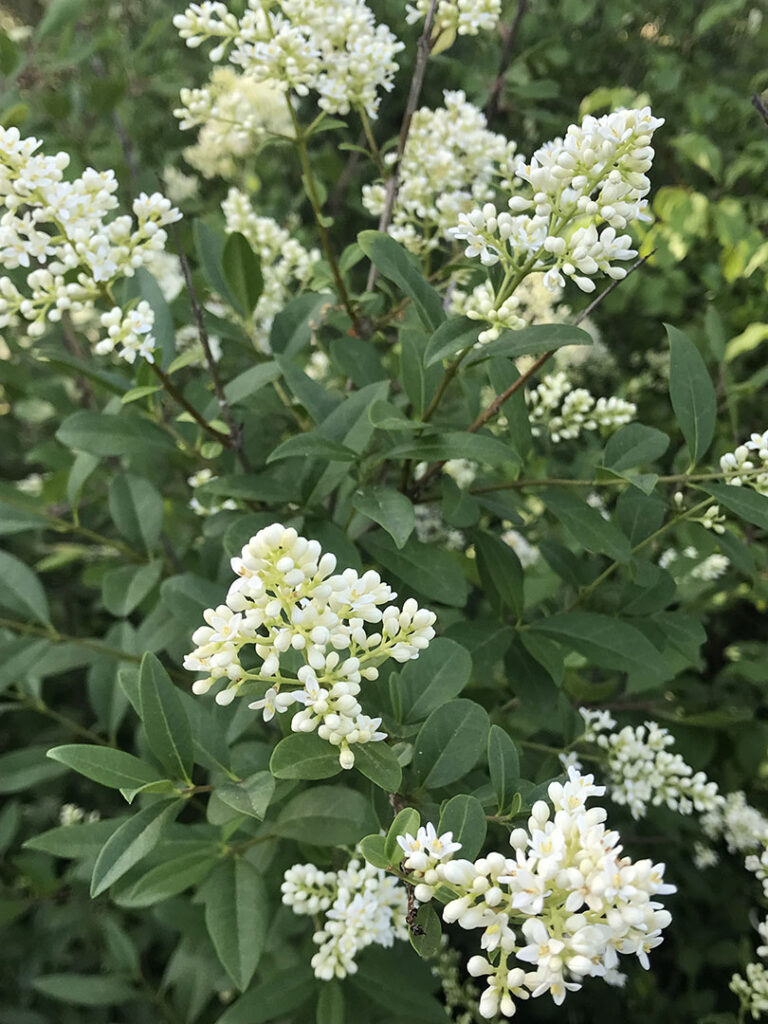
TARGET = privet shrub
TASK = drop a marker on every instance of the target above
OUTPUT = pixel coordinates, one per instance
(381, 609)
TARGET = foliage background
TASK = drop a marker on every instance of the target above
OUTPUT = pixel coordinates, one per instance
(100, 81)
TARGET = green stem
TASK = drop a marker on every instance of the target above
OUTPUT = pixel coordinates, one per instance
(173, 391)
(375, 152)
(314, 199)
(39, 705)
(674, 478)
(451, 370)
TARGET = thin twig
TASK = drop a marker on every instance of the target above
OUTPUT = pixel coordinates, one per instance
(492, 106)
(492, 410)
(760, 107)
(423, 49)
(235, 429)
(174, 392)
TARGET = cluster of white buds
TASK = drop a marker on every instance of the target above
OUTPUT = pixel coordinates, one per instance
(526, 553)
(287, 597)
(235, 114)
(361, 904)
(748, 464)
(286, 265)
(743, 827)
(712, 519)
(752, 990)
(562, 908)
(584, 189)
(457, 17)
(71, 814)
(332, 47)
(58, 231)
(205, 476)
(565, 411)
(431, 528)
(451, 162)
(643, 771)
(688, 564)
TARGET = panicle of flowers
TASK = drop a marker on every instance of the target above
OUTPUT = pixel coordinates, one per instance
(206, 476)
(561, 908)
(361, 906)
(461, 997)
(743, 827)
(431, 528)
(583, 189)
(688, 564)
(285, 264)
(526, 553)
(451, 162)
(565, 412)
(457, 17)
(288, 597)
(332, 47)
(59, 232)
(71, 814)
(748, 464)
(644, 772)
(752, 990)
(235, 115)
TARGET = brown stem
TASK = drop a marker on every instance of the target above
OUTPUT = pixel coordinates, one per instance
(760, 107)
(174, 392)
(492, 106)
(235, 430)
(423, 48)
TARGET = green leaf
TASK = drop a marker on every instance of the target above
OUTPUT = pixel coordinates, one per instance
(464, 817)
(169, 878)
(9, 55)
(427, 934)
(633, 445)
(406, 821)
(457, 444)
(326, 816)
(438, 675)
(209, 245)
(312, 445)
(385, 977)
(251, 796)
(75, 841)
(136, 838)
(504, 766)
(236, 916)
(283, 992)
(449, 742)
(24, 768)
(607, 641)
(302, 755)
(187, 596)
(418, 383)
(123, 589)
(692, 393)
(373, 849)
(531, 341)
(86, 989)
(59, 14)
(743, 502)
(330, 1004)
(165, 721)
(394, 263)
(136, 508)
(428, 570)
(451, 337)
(389, 508)
(377, 762)
(250, 381)
(500, 573)
(21, 590)
(113, 768)
(293, 326)
(242, 272)
(586, 526)
(126, 433)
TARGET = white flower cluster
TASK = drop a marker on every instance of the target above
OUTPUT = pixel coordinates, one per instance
(688, 564)
(451, 162)
(431, 528)
(71, 814)
(748, 464)
(362, 906)
(752, 991)
(743, 827)
(584, 188)
(205, 476)
(287, 598)
(58, 231)
(285, 263)
(459, 17)
(235, 114)
(332, 47)
(643, 771)
(189, 345)
(578, 902)
(526, 553)
(565, 411)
